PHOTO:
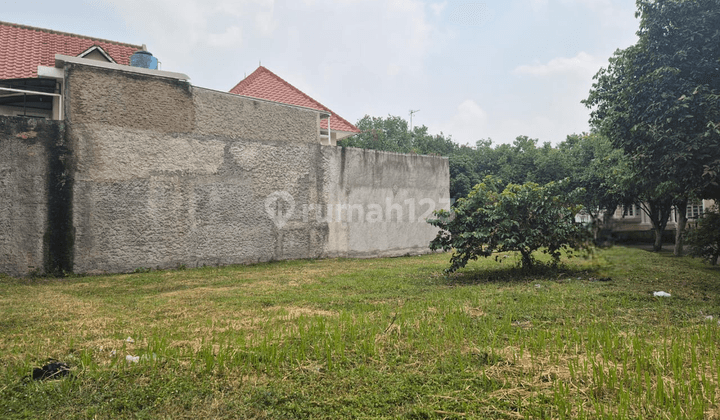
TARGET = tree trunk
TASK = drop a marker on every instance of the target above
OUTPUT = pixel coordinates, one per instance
(681, 209)
(658, 211)
(595, 225)
(527, 262)
(657, 245)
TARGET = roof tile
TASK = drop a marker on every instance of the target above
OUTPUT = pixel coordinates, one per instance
(24, 48)
(264, 84)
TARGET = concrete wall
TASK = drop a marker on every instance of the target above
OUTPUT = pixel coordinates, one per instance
(30, 163)
(167, 174)
(382, 200)
(163, 174)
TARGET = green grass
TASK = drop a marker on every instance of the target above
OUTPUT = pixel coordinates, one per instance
(382, 338)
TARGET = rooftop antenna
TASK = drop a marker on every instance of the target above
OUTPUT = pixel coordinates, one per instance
(411, 115)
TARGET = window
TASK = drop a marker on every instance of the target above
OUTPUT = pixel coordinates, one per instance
(694, 210)
(631, 211)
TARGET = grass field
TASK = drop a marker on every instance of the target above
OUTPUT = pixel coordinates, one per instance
(382, 338)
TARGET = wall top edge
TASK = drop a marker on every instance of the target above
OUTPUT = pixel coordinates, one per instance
(387, 152)
(323, 114)
(61, 60)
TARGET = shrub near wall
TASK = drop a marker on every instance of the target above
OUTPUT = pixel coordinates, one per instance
(520, 218)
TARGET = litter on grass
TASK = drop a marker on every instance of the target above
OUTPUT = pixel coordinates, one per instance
(148, 357)
(132, 359)
(661, 294)
(52, 370)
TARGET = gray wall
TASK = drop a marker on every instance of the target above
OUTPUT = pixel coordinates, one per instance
(165, 174)
(386, 198)
(27, 147)
(168, 174)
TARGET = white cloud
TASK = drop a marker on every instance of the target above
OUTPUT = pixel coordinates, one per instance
(538, 5)
(614, 15)
(185, 24)
(582, 64)
(469, 124)
(438, 8)
(231, 37)
(265, 20)
(411, 31)
(351, 40)
(470, 13)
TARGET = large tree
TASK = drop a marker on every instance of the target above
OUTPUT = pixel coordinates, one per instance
(600, 171)
(658, 99)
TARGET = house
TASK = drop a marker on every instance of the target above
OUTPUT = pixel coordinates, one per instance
(631, 222)
(264, 84)
(30, 85)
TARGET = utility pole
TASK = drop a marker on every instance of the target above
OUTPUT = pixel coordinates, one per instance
(411, 115)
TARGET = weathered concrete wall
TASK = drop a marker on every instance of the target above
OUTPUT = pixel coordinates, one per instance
(187, 190)
(131, 101)
(153, 172)
(228, 115)
(382, 201)
(31, 152)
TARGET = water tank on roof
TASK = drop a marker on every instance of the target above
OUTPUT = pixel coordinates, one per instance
(144, 59)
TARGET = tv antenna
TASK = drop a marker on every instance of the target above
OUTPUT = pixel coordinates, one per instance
(411, 115)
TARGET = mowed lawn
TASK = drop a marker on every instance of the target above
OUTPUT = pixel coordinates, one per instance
(378, 338)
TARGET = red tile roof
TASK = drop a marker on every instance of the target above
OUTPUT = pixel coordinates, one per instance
(24, 48)
(264, 84)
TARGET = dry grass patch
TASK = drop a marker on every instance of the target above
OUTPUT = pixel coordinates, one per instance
(292, 312)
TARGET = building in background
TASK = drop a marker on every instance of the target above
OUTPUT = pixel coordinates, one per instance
(30, 85)
(264, 84)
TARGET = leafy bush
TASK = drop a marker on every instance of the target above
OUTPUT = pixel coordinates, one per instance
(704, 239)
(520, 218)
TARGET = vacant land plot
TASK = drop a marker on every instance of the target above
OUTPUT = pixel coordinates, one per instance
(369, 339)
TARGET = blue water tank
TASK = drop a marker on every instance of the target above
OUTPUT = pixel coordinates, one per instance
(143, 59)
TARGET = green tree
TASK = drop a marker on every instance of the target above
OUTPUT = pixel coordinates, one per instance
(392, 134)
(655, 197)
(463, 176)
(516, 161)
(389, 134)
(600, 170)
(658, 99)
(520, 218)
(704, 239)
(426, 144)
(550, 165)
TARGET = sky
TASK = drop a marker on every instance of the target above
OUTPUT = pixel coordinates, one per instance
(471, 69)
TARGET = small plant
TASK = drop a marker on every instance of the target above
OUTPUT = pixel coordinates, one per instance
(704, 239)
